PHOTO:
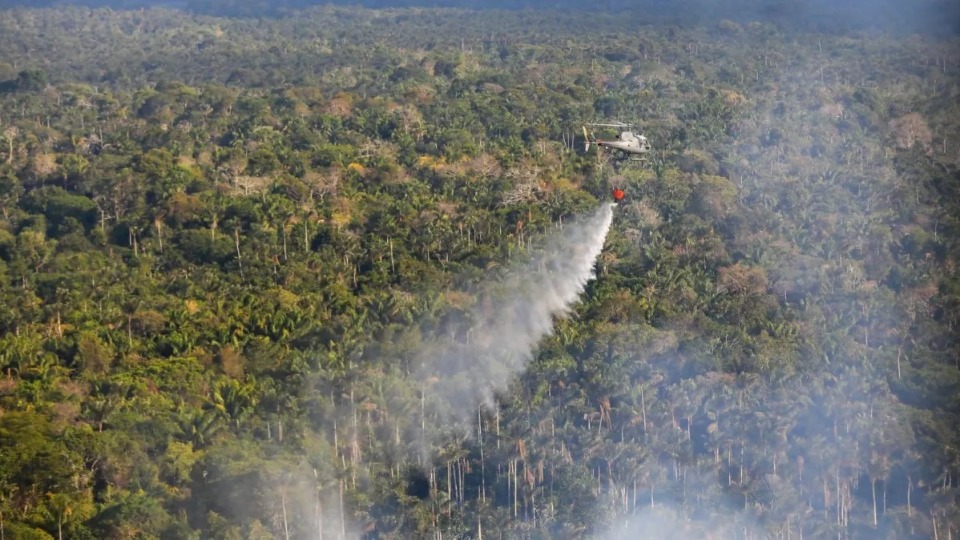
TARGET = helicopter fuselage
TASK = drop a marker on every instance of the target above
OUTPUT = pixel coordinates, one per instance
(627, 142)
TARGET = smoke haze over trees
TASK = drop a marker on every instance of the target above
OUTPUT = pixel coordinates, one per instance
(236, 252)
(924, 16)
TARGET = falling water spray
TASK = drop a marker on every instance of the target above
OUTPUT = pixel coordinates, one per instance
(509, 319)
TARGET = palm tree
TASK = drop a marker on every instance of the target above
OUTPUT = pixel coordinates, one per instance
(198, 426)
(234, 400)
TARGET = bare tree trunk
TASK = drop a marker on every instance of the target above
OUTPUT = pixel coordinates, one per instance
(423, 422)
(515, 508)
(643, 411)
(236, 240)
(909, 493)
(509, 480)
(899, 354)
(283, 506)
(393, 269)
(279, 426)
(343, 519)
(884, 507)
(498, 425)
(483, 476)
(355, 457)
(461, 483)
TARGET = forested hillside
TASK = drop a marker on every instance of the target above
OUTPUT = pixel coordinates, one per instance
(228, 244)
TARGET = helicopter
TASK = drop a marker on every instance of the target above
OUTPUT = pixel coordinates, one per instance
(630, 145)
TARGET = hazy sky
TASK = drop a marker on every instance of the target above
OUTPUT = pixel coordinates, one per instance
(827, 15)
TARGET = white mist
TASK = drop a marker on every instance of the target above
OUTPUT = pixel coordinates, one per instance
(510, 318)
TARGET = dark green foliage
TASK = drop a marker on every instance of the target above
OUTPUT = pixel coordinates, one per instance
(28, 80)
(60, 208)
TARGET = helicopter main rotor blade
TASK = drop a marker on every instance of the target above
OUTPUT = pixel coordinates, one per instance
(618, 125)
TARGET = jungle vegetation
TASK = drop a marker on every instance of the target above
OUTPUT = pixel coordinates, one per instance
(221, 238)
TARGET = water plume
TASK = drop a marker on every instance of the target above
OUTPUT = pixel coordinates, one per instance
(497, 336)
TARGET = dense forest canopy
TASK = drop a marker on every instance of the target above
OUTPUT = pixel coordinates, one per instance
(231, 247)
